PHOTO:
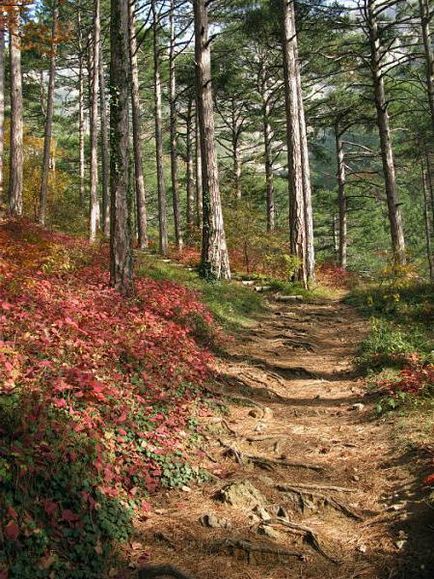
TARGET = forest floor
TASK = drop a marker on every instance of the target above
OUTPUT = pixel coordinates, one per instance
(309, 483)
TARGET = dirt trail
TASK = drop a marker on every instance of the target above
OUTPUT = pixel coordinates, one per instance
(301, 432)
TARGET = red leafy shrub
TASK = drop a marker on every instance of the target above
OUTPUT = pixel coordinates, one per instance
(413, 379)
(95, 395)
(331, 275)
(189, 256)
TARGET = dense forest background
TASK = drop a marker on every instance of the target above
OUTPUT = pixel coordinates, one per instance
(347, 175)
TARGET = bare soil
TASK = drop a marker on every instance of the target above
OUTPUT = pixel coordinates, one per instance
(341, 497)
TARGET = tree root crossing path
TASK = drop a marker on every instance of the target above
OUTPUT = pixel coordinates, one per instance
(307, 482)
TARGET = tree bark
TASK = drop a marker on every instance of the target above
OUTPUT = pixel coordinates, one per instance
(2, 111)
(307, 188)
(105, 149)
(383, 123)
(268, 156)
(297, 220)
(189, 169)
(43, 192)
(173, 130)
(428, 232)
(342, 199)
(429, 58)
(16, 133)
(142, 220)
(94, 201)
(215, 258)
(82, 168)
(162, 196)
(198, 165)
(121, 267)
(236, 162)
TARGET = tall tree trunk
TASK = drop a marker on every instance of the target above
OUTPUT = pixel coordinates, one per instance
(2, 111)
(173, 130)
(394, 212)
(142, 220)
(16, 154)
(82, 168)
(268, 157)
(105, 149)
(121, 267)
(198, 166)
(297, 223)
(429, 174)
(307, 188)
(189, 169)
(425, 16)
(94, 201)
(162, 197)
(43, 192)
(428, 232)
(342, 198)
(236, 162)
(215, 258)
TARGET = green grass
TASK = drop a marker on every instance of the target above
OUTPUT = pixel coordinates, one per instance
(402, 321)
(316, 293)
(232, 305)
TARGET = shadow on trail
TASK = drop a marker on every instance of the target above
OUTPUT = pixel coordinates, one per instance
(235, 386)
(414, 531)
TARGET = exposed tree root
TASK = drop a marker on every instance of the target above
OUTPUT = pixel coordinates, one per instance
(271, 463)
(266, 463)
(310, 537)
(264, 438)
(250, 548)
(152, 571)
(231, 430)
(334, 503)
(315, 487)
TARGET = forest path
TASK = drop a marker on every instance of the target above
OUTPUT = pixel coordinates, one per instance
(297, 416)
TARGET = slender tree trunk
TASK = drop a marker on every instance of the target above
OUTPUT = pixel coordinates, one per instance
(162, 197)
(142, 220)
(94, 201)
(429, 58)
(2, 111)
(342, 198)
(297, 223)
(268, 156)
(189, 169)
(105, 149)
(215, 258)
(173, 130)
(236, 163)
(16, 154)
(121, 268)
(428, 231)
(81, 169)
(335, 227)
(394, 212)
(199, 188)
(429, 179)
(307, 189)
(43, 192)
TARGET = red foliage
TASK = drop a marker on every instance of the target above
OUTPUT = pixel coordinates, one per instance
(121, 372)
(411, 380)
(429, 480)
(331, 275)
(190, 255)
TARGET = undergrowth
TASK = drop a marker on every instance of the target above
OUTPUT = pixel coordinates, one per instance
(398, 353)
(98, 401)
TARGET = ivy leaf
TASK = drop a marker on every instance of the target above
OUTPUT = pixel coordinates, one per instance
(12, 531)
